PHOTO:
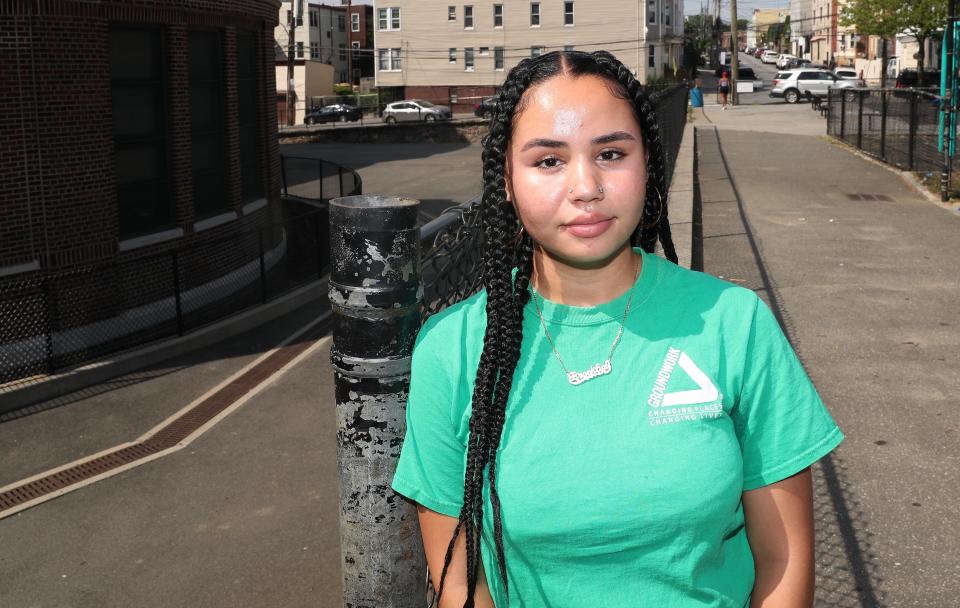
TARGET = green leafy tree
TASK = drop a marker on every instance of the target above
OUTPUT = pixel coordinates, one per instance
(922, 19)
(877, 18)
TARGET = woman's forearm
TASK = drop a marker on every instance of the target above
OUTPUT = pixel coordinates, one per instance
(782, 584)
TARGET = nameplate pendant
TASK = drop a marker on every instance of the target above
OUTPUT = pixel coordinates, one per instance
(600, 369)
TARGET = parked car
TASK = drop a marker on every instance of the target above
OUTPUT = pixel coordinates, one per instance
(797, 62)
(910, 78)
(846, 73)
(793, 85)
(744, 74)
(757, 54)
(413, 110)
(484, 109)
(769, 57)
(338, 112)
(784, 59)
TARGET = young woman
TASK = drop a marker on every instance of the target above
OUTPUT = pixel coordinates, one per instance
(598, 426)
(724, 90)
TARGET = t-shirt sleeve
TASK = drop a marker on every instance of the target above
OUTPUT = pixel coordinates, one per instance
(432, 459)
(780, 420)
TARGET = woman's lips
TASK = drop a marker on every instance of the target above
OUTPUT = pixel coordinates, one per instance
(587, 228)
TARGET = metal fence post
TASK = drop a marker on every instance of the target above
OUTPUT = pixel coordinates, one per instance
(320, 176)
(374, 294)
(883, 124)
(843, 115)
(48, 333)
(912, 137)
(283, 173)
(175, 265)
(860, 121)
(340, 178)
(263, 267)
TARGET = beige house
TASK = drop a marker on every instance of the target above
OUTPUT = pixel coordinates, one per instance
(457, 53)
(760, 23)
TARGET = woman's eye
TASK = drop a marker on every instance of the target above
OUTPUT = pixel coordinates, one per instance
(549, 162)
(608, 155)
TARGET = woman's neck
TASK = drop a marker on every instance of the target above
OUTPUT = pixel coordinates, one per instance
(563, 283)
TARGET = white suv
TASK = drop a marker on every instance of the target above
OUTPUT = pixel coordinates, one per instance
(769, 57)
(792, 85)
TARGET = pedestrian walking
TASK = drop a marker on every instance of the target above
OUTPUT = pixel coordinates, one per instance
(724, 90)
(861, 81)
(599, 426)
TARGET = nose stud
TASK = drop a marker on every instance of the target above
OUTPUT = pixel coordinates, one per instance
(600, 189)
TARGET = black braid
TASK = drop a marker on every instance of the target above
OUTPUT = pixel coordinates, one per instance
(507, 296)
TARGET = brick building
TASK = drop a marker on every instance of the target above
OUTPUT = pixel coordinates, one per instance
(132, 125)
(139, 160)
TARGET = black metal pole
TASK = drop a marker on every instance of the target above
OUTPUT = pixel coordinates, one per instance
(843, 115)
(860, 120)
(912, 137)
(175, 266)
(283, 173)
(375, 297)
(340, 178)
(948, 101)
(320, 176)
(883, 124)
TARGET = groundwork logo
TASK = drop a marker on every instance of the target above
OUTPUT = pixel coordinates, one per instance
(667, 407)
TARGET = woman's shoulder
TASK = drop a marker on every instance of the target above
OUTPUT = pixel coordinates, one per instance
(682, 284)
(453, 326)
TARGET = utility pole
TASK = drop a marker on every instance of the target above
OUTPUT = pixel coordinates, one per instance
(291, 49)
(350, 43)
(950, 68)
(734, 51)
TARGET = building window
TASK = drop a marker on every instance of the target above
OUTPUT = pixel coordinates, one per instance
(534, 14)
(389, 60)
(484, 51)
(567, 48)
(652, 11)
(388, 18)
(468, 59)
(652, 56)
(342, 23)
(300, 50)
(314, 50)
(343, 53)
(666, 13)
(314, 18)
(498, 57)
(248, 123)
(468, 17)
(355, 22)
(140, 131)
(207, 124)
(451, 13)
(568, 13)
(497, 15)
(452, 55)
(536, 51)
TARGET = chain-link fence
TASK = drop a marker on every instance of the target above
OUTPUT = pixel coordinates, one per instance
(52, 320)
(453, 242)
(898, 126)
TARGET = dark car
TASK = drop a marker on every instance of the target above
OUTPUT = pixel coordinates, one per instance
(338, 112)
(911, 78)
(746, 74)
(484, 109)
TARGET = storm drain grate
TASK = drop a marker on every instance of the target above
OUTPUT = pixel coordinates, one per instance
(859, 196)
(59, 482)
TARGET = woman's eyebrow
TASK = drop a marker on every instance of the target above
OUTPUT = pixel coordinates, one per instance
(554, 143)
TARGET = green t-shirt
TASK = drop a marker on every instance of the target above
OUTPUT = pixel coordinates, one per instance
(624, 490)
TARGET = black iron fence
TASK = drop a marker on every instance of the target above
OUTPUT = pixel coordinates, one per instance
(452, 243)
(898, 126)
(52, 320)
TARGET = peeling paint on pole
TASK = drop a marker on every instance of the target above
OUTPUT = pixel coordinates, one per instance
(375, 295)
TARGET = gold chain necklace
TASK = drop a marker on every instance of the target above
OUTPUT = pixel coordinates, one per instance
(598, 369)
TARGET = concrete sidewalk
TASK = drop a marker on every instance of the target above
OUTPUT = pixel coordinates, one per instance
(867, 290)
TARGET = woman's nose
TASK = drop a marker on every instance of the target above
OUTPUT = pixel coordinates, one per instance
(583, 184)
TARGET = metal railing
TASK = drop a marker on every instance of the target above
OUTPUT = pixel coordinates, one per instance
(317, 179)
(898, 126)
(56, 319)
(452, 244)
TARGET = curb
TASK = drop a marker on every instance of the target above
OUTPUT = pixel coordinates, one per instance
(681, 199)
(100, 371)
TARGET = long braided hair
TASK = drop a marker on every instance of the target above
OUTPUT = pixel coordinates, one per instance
(507, 297)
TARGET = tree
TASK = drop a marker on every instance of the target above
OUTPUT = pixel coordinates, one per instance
(878, 18)
(922, 19)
